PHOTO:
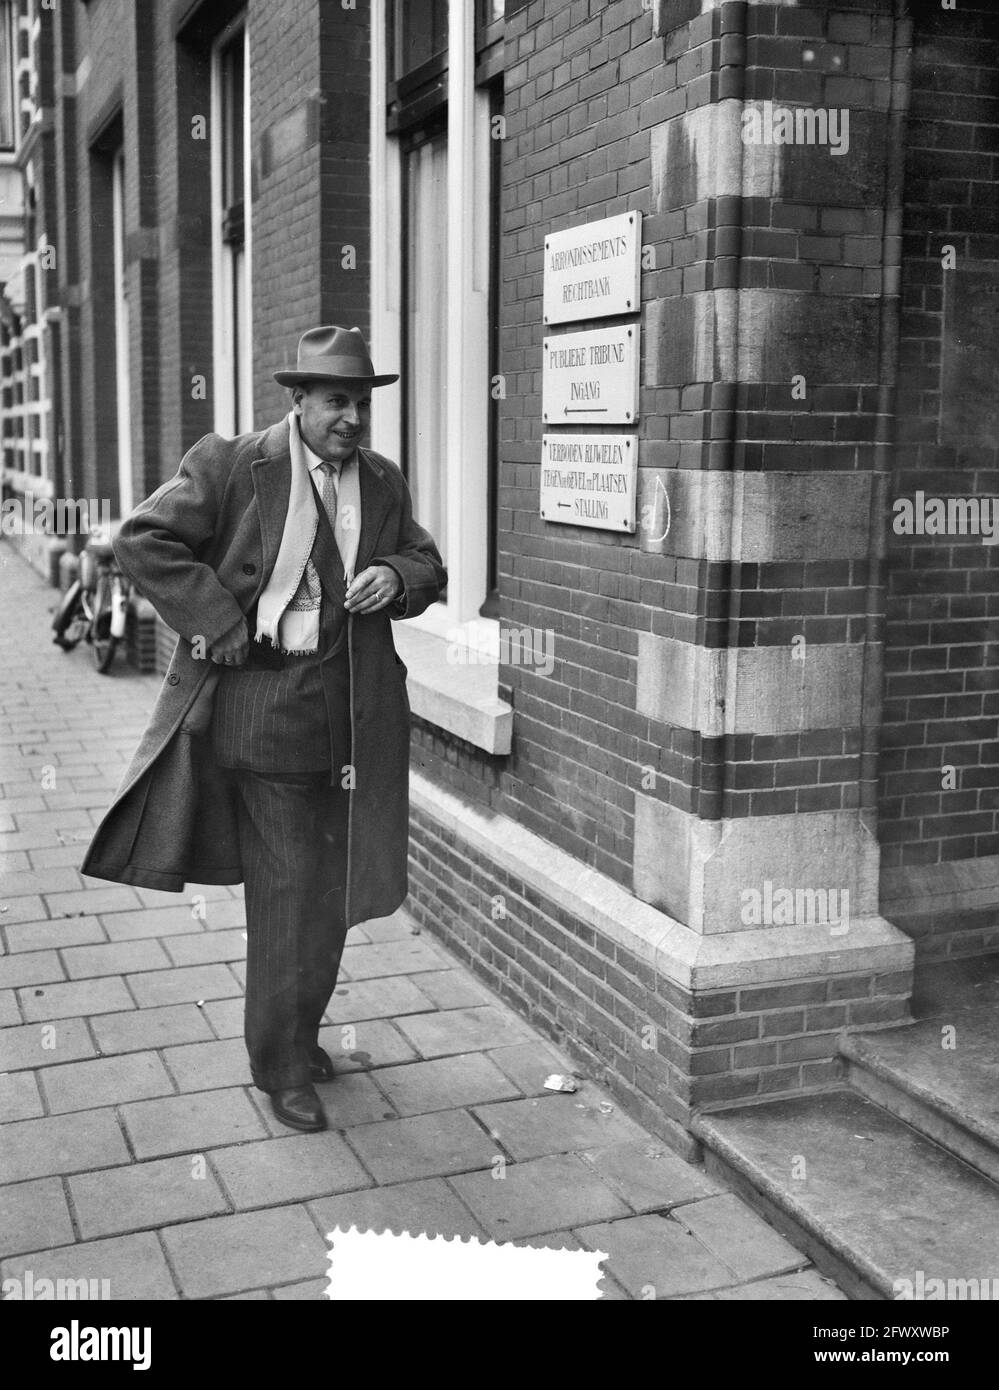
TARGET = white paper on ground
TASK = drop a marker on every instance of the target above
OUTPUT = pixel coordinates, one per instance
(380, 1266)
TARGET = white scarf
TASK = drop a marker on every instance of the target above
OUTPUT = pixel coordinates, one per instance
(288, 610)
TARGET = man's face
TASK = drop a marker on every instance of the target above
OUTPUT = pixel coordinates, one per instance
(332, 417)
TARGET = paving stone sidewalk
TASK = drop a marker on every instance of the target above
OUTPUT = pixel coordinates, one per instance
(134, 1149)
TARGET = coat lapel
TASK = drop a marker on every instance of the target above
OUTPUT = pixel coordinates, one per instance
(271, 474)
(377, 501)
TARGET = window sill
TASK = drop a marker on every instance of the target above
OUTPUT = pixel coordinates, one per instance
(459, 698)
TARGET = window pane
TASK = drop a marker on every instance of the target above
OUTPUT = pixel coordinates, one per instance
(230, 214)
(6, 77)
(233, 93)
(421, 32)
(122, 339)
(241, 339)
(426, 328)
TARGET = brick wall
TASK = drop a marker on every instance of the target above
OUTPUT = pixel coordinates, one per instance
(183, 220)
(582, 91)
(286, 209)
(105, 39)
(942, 680)
(142, 250)
(577, 147)
(311, 181)
(65, 115)
(344, 192)
(663, 1051)
(151, 67)
(592, 97)
(765, 268)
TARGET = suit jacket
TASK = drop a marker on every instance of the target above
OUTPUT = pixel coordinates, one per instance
(292, 713)
(202, 549)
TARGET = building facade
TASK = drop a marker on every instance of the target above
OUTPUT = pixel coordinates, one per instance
(29, 307)
(697, 794)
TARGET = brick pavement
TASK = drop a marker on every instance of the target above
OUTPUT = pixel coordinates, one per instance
(134, 1149)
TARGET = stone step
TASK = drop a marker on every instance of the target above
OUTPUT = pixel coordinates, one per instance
(941, 1076)
(870, 1199)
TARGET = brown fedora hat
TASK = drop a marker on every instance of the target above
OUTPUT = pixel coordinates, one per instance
(333, 354)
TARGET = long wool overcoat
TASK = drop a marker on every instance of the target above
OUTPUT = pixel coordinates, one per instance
(202, 549)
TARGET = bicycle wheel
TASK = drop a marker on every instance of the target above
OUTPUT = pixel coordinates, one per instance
(102, 640)
(70, 622)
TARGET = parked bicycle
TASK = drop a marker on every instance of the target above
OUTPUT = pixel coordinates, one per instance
(95, 606)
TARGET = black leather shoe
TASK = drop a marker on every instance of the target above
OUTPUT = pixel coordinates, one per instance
(299, 1107)
(320, 1066)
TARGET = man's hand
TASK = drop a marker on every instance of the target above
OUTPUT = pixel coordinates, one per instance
(233, 646)
(372, 589)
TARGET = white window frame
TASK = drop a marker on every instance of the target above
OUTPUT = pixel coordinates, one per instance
(231, 415)
(122, 337)
(11, 20)
(465, 542)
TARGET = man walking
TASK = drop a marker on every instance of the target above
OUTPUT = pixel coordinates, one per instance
(278, 751)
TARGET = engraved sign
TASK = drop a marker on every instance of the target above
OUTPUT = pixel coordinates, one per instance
(591, 378)
(593, 270)
(589, 480)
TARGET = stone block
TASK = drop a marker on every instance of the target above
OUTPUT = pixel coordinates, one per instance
(61, 1144)
(246, 1251)
(404, 957)
(654, 1256)
(117, 958)
(143, 1195)
(44, 1044)
(381, 997)
(183, 983)
(19, 1098)
(187, 1123)
(422, 1146)
(427, 1207)
(152, 1028)
(557, 1123)
(288, 1170)
(463, 1030)
(33, 1216)
(82, 997)
(446, 1084)
(542, 1195)
(106, 1081)
(133, 1266)
(736, 1235)
(369, 1043)
(649, 1176)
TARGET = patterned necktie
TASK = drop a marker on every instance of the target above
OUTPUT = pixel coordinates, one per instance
(309, 593)
(329, 492)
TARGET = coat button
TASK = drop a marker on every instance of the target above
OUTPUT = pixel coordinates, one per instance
(249, 569)
(173, 678)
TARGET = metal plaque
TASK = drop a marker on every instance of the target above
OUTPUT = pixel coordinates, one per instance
(589, 480)
(593, 270)
(591, 378)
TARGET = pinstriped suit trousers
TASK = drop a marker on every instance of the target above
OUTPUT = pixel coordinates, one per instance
(293, 844)
(285, 737)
